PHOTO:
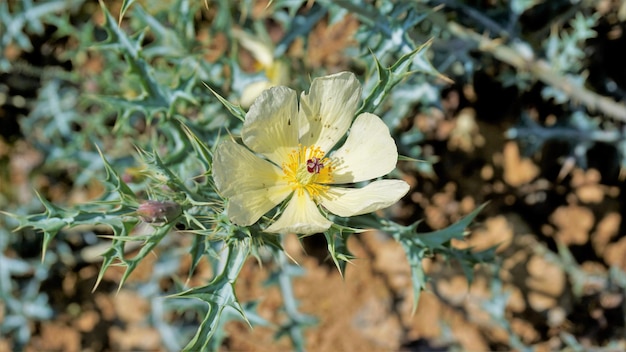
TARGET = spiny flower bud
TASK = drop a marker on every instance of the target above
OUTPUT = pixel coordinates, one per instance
(159, 211)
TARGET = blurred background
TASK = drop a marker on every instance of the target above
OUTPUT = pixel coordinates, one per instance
(517, 103)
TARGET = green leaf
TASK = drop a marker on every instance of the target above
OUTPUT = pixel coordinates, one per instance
(157, 97)
(171, 179)
(235, 110)
(50, 222)
(406, 158)
(457, 230)
(113, 179)
(337, 241)
(205, 154)
(418, 246)
(151, 243)
(468, 259)
(197, 250)
(296, 321)
(126, 4)
(418, 276)
(121, 228)
(219, 293)
(389, 77)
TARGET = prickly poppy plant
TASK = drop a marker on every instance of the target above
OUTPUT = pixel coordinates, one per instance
(295, 141)
(188, 176)
(180, 151)
(183, 160)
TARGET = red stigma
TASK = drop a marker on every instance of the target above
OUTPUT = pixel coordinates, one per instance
(314, 165)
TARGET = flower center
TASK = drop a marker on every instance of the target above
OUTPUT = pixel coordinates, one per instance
(307, 170)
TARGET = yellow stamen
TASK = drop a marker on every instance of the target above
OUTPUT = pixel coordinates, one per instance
(300, 179)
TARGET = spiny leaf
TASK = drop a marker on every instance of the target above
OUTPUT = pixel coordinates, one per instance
(468, 259)
(55, 218)
(457, 230)
(127, 196)
(157, 97)
(204, 152)
(390, 77)
(418, 276)
(338, 248)
(126, 4)
(219, 293)
(236, 110)
(171, 180)
(418, 246)
(151, 243)
(406, 158)
(197, 250)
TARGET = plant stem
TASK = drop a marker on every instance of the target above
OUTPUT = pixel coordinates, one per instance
(542, 71)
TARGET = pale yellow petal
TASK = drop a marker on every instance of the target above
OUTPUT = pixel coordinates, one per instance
(356, 201)
(262, 51)
(327, 111)
(237, 170)
(301, 216)
(270, 127)
(369, 151)
(252, 91)
(278, 73)
(253, 185)
(246, 208)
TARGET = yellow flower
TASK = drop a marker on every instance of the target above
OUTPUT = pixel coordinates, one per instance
(276, 71)
(287, 157)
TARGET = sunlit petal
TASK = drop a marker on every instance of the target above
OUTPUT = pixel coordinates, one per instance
(356, 201)
(270, 127)
(327, 111)
(369, 151)
(237, 170)
(262, 51)
(301, 216)
(252, 91)
(246, 208)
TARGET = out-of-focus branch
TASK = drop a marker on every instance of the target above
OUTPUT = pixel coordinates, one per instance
(542, 71)
(477, 16)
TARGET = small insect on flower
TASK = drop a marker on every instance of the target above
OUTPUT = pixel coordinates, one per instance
(314, 165)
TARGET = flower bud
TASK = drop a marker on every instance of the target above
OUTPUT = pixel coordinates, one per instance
(159, 211)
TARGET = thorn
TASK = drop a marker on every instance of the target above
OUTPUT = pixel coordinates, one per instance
(568, 165)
